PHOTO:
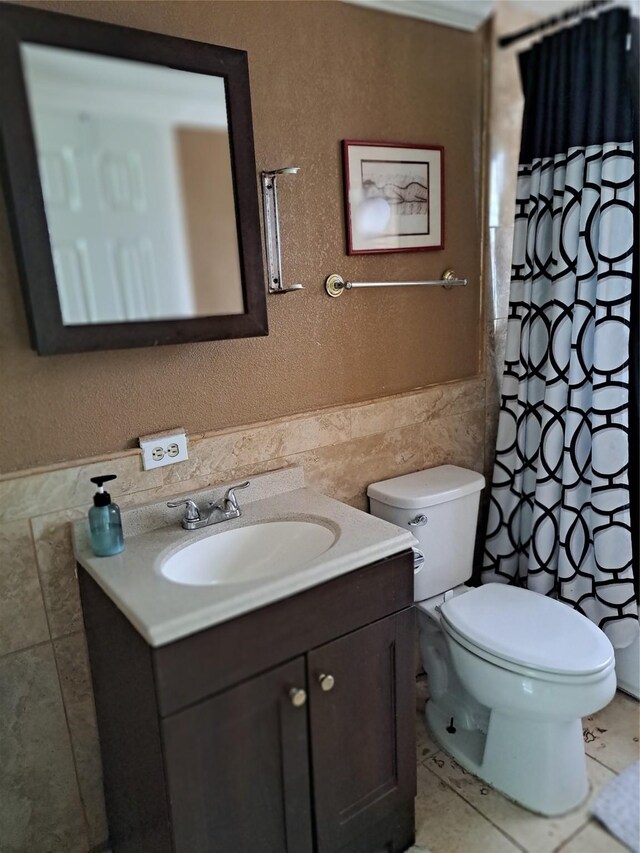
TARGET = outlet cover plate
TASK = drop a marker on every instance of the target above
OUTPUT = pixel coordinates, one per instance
(163, 448)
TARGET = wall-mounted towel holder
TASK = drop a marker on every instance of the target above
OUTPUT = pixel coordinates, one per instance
(272, 229)
(335, 285)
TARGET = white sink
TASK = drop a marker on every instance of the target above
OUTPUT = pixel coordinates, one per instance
(248, 553)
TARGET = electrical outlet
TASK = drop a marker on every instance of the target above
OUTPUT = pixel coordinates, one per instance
(163, 449)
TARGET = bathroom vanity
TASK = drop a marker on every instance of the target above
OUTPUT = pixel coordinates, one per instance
(287, 728)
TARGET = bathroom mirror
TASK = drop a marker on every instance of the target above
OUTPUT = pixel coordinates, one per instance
(130, 180)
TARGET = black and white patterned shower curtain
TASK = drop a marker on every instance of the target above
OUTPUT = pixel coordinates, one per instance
(559, 518)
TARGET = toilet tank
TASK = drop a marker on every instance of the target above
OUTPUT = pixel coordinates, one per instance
(440, 507)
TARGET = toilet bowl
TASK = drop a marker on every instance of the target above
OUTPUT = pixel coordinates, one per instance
(511, 672)
(538, 671)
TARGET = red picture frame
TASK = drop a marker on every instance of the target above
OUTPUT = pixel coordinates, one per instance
(394, 197)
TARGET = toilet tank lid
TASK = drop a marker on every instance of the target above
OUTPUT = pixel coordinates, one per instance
(427, 488)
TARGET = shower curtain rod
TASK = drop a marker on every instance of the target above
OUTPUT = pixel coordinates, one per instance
(554, 20)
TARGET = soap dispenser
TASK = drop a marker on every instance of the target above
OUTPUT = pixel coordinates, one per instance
(105, 524)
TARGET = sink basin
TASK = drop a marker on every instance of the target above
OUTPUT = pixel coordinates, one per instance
(248, 553)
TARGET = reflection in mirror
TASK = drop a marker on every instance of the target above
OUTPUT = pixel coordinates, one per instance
(137, 182)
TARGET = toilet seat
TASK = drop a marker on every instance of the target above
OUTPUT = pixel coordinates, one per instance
(524, 671)
(526, 632)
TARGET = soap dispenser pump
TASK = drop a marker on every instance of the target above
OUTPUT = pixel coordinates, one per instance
(105, 524)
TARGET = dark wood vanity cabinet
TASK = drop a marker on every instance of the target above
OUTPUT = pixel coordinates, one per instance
(238, 768)
(287, 730)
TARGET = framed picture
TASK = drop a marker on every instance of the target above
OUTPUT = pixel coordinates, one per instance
(394, 196)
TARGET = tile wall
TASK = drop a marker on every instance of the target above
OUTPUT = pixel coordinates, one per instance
(505, 122)
(50, 785)
(506, 104)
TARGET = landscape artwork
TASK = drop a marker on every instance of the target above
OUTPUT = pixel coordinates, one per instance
(394, 197)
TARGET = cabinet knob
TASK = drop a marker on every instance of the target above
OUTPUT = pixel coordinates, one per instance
(298, 697)
(326, 682)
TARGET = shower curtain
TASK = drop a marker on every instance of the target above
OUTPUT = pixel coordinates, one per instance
(559, 517)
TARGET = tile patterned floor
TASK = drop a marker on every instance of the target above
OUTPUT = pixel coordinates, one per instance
(458, 813)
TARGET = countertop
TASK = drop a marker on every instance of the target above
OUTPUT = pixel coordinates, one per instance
(163, 611)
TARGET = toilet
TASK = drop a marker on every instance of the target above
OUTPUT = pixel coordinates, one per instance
(511, 672)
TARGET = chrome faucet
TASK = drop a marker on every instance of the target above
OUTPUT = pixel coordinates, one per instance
(216, 511)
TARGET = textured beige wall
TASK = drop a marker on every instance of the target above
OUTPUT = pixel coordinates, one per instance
(320, 72)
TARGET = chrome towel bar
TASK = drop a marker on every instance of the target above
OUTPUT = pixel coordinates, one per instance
(335, 285)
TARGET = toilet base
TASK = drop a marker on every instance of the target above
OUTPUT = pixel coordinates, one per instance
(539, 764)
(465, 745)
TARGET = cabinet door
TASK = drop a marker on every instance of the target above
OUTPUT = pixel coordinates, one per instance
(362, 729)
(238, 769)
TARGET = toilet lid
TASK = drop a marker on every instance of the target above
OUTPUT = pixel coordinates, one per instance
(528, 629)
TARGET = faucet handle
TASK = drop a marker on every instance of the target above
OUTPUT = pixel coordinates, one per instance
(191, 513)
(230, 494)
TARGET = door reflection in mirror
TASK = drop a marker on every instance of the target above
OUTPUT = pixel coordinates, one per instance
(137, 182)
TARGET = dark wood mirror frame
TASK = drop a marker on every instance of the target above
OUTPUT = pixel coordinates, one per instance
(24, 194)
